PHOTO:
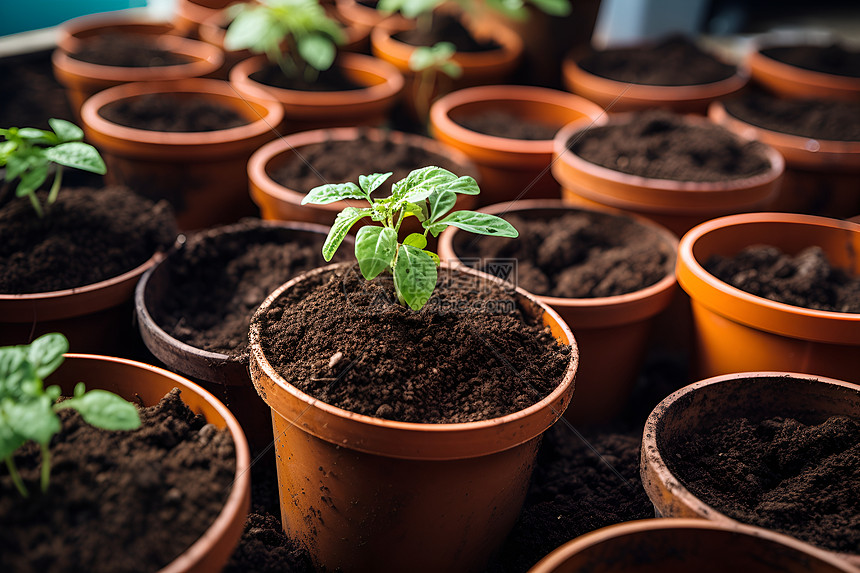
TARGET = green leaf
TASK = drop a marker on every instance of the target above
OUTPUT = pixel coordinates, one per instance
(375, 248)
(331, 192)
(553, 7)
(317, 50)
(66, 130)
(451, 69)
(426, 177)
(33, 419)
(417, 195)
(105, 410)
(18, 164)
(342, 224)
(434, 256)
(464, 185)
(474, 222)
(417, 240)
(6, 149)
(33, 135)
(15, 371)
(77, 154)
(440, 203)
(247, 29)
(422, 58)
(46, 353)
(414, 276)
(9, 440)
(31, 180)
(371, 183)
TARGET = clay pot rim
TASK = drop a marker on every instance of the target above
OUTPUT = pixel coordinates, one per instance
(291, 143)
(67, 32)
(258, 127)
(573, 161)
(564, 387)
(756, 60)
(535, 96)
(552, 562)
(357, 13)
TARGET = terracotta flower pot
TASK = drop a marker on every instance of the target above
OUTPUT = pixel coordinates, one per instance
(201, 173)
(754, 395)
(363, 493)
(189, 15)
(792, 81)
(820, 175)
(359, 14)
(612, 333)
(71, 33)
(142, 383)
(677, 545)
(677, 205)
(510, 168)
(737, 331)
(304, 110)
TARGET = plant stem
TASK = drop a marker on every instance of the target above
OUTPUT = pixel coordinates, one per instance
(46, 466)
(55, 188)
(35, 202)
(16, 477)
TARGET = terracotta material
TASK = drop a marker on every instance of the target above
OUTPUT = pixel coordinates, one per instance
(681, 545)
(145, 384)
(188, 15)
(72, 32)
(510, 168)
(612, 333)
(754, 395)
(736, 331)
(820, 176)
(677, 205)
(364, 493)
(365, 16)
(794, 82)
(305, 110)
(201, 173)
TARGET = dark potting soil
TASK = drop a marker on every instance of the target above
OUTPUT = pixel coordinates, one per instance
(127, 50)
(331, 80)
(806, 279)
(88, 235)
(264, 548)
(342, 161)
(218, 279)
(675, 61)
(832, 59)
(447, 28)
(118, 501)
(470, 354)
(780, 473)
(29, 94)
(503, 124)
(662, 145)
(575, 255)
(818, 118)
(170, 112)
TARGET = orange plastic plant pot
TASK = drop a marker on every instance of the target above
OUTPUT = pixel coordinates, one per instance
(736, 331)
(793, 82)
(363, 493)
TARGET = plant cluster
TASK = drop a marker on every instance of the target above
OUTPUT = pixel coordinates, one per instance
(428, 194)
(28, 410)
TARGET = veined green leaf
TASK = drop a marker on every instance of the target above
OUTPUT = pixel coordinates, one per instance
(331, 192)
(375, 248)
(429, 177)
(440, 203)
(342, 224)
(417, 240)
(32, 419)
(77, 154)
(33, 135)
(474, 222)
(104, 409)
(66, 130)
(414, 276)
(464, 185)
(31, 180)
(371, 183)
(46, 353)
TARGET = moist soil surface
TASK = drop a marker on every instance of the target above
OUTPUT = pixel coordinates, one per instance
(169, 112)
(447, 28)
(342, 161)
(780, 473)
(675, 61)
(663, 145)
(129, 51)
(503, 124)
(34, 95)
(574, 255)
(832, 59)
(331, 80)
(806, 279)
(829, 120)
(444, 363)
(117, 501)
(220, 276)
(87, 236)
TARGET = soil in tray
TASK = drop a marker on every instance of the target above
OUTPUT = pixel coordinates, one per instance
(331, 80)
(118, 501)
(829, 120)
(503, 124)
(129, 51)
(806, 279)
(171, 112)
(447, 28)
(662, 145)
(676, 61)
(88, 235)
(574, 255)
(832, 59)
(780, 473)
(342, 161)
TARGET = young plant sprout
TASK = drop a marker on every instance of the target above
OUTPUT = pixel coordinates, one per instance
(297, 35)
(429, 61)
(28, 410)
(28, 152)
(427, 194)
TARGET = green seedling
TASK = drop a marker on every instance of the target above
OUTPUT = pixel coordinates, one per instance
(428, 194)
(297, 35)
(428, 61)
(28, 153)
(28, 410)
(422, 10)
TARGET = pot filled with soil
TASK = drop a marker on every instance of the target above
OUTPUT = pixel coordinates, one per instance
(364, 13)
(771, 449)
(774, 290)
(187, 141)
(820, 141)
(608, 275)
(677, 170)
(194, 307)
(677, 545)
(673, 73)
(508, 131)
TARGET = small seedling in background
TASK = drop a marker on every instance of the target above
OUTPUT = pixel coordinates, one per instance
(28, 152)
(28, 410)
(422, 10)
(428, 61)
(427, 194)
